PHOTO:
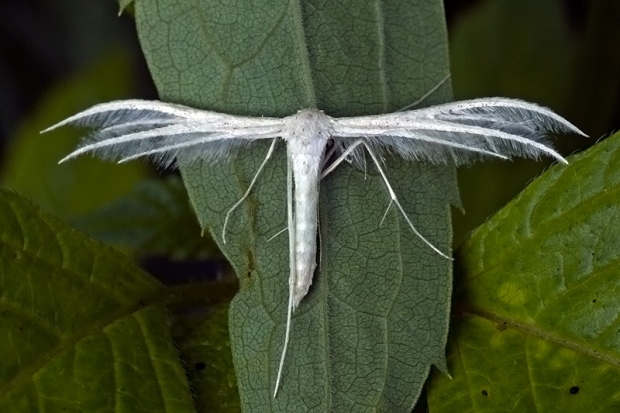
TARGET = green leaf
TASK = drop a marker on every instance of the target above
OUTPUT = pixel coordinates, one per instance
(537, 305)
(205, 349)
(123, 5)
(154, 219)
(80, 326)
(79, 186)
(377, 315)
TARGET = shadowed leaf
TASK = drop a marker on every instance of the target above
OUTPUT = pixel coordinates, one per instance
(72, 188)
(80, 327)
(204, 345)
(154, 219)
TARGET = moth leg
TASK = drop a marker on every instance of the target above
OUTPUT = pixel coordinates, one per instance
(329, 155)
(276, 234)
(342, 157)
(247, 192)
(394, 200)
(393, 197)
(292, 270)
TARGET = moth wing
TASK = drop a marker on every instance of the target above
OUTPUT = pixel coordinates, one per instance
(460, 131)
(129, 129)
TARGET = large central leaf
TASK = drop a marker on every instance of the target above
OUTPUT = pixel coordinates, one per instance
(377, 316)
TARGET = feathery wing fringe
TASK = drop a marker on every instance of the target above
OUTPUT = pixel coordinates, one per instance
(460, 131)
(129, 129)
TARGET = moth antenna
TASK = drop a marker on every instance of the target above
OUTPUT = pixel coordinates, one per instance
(394, 199)
(293, 270)
(247, 192)
(427, 94)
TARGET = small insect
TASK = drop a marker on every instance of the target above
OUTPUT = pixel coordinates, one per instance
(458, 132)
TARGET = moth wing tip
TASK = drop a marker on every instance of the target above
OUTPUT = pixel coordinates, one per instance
(48, 129)
(66, 158)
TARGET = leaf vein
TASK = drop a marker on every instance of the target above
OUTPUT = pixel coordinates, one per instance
(538, 333)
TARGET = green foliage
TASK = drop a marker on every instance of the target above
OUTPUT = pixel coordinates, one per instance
(76, 187)
(154, 219)
(124, 5)
(74, 313)
(538, 298)
(377, 316)
(204, 347)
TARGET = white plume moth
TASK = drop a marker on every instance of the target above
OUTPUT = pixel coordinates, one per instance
(457, 132)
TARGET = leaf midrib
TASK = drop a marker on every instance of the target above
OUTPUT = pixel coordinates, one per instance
(536, 332)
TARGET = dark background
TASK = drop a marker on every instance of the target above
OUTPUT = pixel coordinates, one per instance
(564, 54)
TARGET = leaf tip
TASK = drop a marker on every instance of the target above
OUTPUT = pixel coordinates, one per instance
(442, 367)
(123, 5)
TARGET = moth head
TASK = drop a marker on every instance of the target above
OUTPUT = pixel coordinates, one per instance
(308, 124)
